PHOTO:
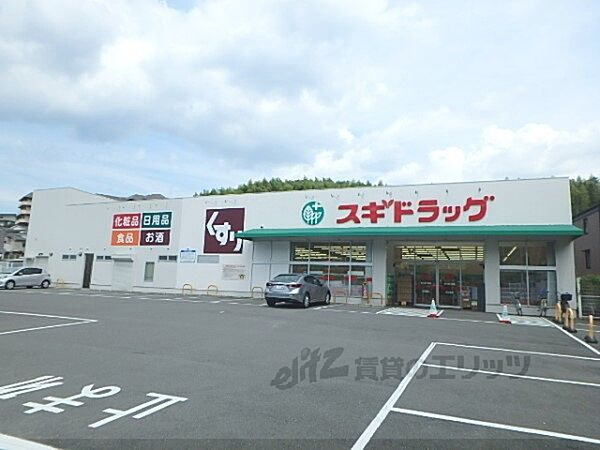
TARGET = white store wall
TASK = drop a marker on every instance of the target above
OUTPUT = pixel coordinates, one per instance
(69, 221)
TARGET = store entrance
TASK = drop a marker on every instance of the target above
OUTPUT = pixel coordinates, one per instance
(449, 273)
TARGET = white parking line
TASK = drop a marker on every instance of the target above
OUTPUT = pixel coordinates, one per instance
(18, 313)
(512, 375)
(79, 321)
(499, 426)
(586, 345)
(366, 435)
(512, 350)
(13, 443)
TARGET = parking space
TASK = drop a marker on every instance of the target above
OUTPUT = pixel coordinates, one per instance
(456, 387)
(12, 322)
(212, 371)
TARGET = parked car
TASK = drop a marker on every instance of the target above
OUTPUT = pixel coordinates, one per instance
(25, 277)
(294, 288)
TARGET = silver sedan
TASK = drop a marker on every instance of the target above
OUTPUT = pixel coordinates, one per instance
(294, 288)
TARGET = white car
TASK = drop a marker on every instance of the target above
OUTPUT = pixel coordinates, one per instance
(25, 277)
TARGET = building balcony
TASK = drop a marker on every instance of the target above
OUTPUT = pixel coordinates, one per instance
(27, 198)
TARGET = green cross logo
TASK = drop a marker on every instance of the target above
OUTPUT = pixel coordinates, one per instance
(313, 213)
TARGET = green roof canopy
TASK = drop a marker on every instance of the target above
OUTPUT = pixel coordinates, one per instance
(431, 231)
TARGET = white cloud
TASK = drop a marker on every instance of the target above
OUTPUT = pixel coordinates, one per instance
(400, 91)
(533, 150)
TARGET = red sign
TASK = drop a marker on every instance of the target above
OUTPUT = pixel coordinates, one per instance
(126, 221)
(220, 228)
(426, 211)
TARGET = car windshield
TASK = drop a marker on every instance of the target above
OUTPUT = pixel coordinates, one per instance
(287, 278)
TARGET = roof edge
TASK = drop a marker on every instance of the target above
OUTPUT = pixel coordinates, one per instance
(445, 231)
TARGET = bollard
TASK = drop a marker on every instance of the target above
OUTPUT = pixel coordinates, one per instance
(557, 313)
(589, 337)
(569, 321)
(565, 320)
(572, 328)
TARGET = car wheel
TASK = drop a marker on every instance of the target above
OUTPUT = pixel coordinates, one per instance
(306, 300)
(45, 284)
(270, 303)
(9, 285)
(328, 298)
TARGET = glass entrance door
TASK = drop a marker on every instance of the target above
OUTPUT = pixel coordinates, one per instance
(449, 284)
(451, 274)
(425, 283)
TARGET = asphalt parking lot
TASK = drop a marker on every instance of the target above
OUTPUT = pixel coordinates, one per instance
(122, 370)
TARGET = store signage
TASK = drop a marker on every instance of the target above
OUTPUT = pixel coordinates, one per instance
(187, 255)
(220, 228)
(156, 220)
(425, 211)
(141, 229)
(313, 213)
(234, 272)
(155, 237)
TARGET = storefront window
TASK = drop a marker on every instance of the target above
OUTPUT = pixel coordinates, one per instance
(319, 251)
(338, 280)
(360, 252)
(531, 284)
(542, 285)
(344, 266)
(300, 251)
(531, 254)
(472, 281)
(299, 268)
(358, 277)
(513, 286)
(320, 271)
(512, 254)
(340, 252)
(540, 254)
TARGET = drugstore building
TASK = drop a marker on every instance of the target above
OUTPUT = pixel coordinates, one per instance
(465, 245)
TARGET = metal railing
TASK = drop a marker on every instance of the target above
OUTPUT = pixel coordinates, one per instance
(212, 288)
(588, 299)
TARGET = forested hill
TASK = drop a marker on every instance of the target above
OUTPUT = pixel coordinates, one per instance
(585, 192)
(278, 185)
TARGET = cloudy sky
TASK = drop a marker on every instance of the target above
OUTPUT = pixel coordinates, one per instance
(175, 96)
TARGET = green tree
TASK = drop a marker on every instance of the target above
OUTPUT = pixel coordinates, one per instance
(585, 193)
(278, 185)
